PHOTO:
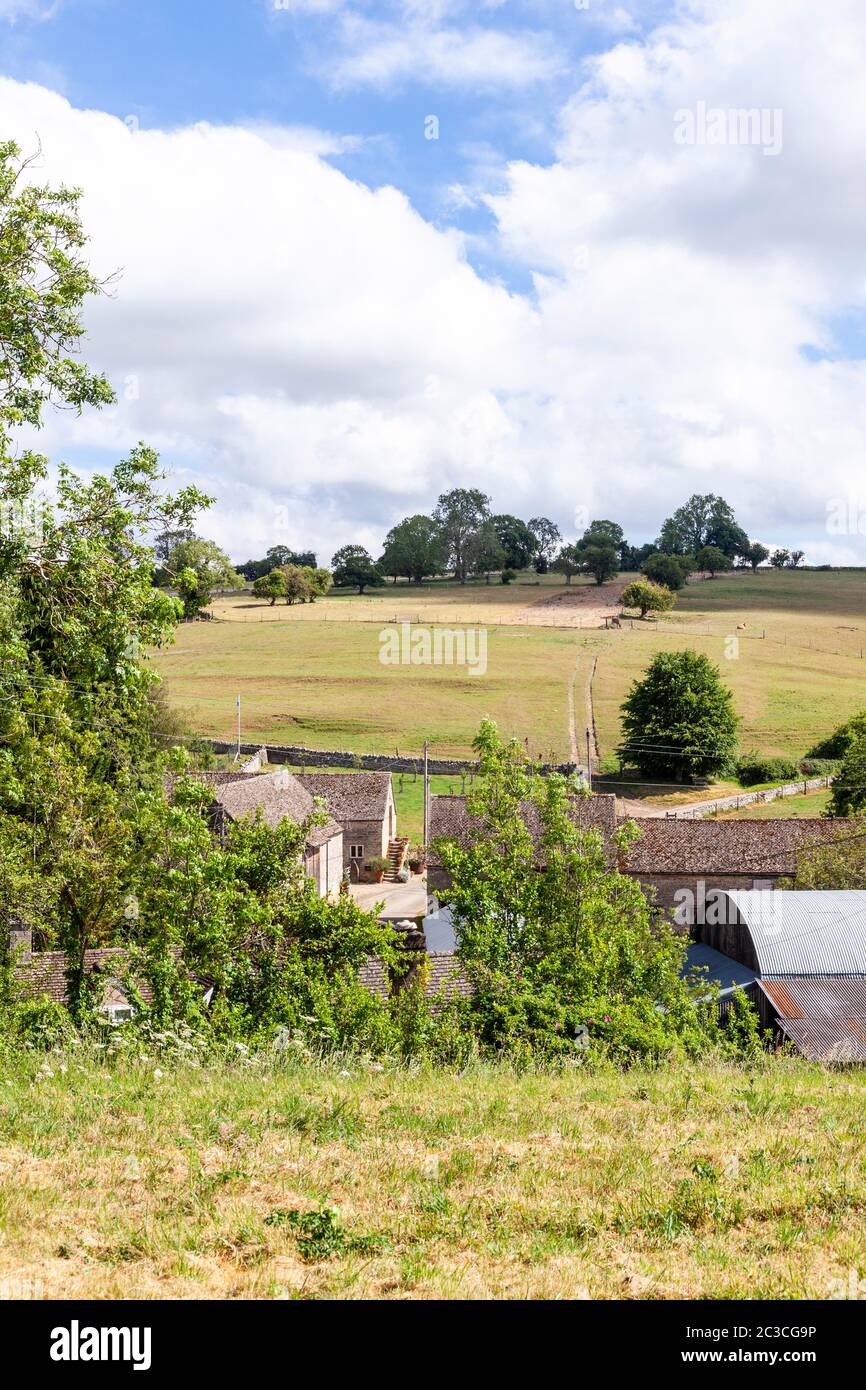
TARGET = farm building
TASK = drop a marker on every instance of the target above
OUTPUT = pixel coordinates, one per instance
(450, 820)
(362, 821)
(686, 865)
(279, 796)
(43, 973)
(362, 803)
(807, 952)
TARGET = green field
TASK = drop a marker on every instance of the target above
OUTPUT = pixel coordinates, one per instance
(321, 684)
(694, 1181)
(312, 675)
(810, 804)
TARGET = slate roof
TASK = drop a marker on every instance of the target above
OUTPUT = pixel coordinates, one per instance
(279, 796)
(450, 820)
(350, 795)
(445, 976)
(724, 970)
(759, 848)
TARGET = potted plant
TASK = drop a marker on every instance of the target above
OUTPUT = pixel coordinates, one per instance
(376, 868)
(416, 859)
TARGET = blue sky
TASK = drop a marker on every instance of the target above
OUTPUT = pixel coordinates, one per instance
(171, 63)
(327, 318)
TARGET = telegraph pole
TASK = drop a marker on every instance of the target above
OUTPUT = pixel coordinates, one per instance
(238, 754)
(426, 792)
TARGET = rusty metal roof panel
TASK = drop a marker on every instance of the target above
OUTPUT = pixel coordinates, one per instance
(824, 1015)
(804, 933)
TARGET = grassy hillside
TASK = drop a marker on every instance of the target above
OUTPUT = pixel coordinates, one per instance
(312, 675)
(321, 684)
(699, 1181)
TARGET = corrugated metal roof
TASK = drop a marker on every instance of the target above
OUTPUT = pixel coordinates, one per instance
(804, 933)
(824, 1015)
(724, 970)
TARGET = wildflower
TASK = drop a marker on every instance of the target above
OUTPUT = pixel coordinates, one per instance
(157, 1074)
(607, 1018)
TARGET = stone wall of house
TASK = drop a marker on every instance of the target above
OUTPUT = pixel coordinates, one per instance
(333, 863)
(704, 890)
(372, 834)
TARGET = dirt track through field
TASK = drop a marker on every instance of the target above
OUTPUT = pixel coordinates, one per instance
(573, 606)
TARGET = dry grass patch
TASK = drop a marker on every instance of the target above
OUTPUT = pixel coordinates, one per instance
(354, 1182)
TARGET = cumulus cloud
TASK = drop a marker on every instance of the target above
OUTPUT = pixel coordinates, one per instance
(326, 360)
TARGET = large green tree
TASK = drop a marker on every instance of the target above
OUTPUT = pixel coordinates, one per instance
(548, 538)
(196, 568)
(557, 943)
(485, 552)
(516, 540)
(353, 567)
(848, 795)
(414, 548)
(567, 562)
(678, 720)
(713, 560)
(705, 519)
(669, 570)
(460, 514)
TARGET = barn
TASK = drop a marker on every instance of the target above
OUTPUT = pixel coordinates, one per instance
(807, 951)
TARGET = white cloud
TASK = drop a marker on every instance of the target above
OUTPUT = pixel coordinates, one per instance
(330, 361)
(29, 9)
(384, 54)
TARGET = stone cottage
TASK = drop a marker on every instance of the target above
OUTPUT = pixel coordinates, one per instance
(362, 803)
(280, 796)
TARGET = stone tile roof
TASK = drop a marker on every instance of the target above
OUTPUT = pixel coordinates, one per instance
(445, 976)
(759, 848)
(279, 796)
(450, 820)
(350, 795)
(45, 973)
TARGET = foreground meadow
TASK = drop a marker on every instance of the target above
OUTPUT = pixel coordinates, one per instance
(162, 1180)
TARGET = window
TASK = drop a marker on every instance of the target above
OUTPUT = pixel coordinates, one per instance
(119, 1013)
(356, 851)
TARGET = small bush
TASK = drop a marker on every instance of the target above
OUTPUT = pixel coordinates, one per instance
(754, 768)
(836, 745)
(42, 1023)
(819, 767)
(507, 576)
(647, 597)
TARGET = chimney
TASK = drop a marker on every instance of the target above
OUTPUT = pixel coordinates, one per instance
(20, 941)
